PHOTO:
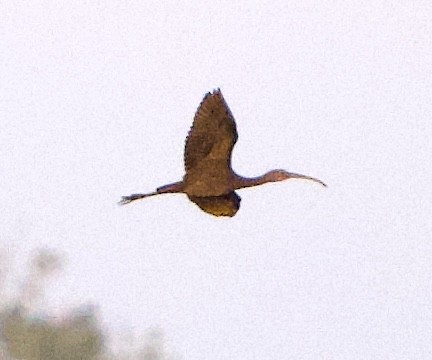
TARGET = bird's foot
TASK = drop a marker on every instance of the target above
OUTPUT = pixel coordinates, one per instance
(128, 199)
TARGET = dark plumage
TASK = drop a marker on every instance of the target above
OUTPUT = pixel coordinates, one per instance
(209, 180)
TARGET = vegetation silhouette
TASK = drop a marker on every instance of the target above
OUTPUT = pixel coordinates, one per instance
(75, 335)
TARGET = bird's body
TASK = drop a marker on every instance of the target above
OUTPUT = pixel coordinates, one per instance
(209, 180)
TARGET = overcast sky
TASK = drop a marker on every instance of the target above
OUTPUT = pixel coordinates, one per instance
(96, 98)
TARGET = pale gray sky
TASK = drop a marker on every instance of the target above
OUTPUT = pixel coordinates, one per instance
(96, 99)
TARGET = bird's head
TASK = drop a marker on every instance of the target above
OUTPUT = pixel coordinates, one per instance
(280, 175)
(277, 175)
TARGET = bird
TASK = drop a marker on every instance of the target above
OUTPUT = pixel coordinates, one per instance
(209, 179)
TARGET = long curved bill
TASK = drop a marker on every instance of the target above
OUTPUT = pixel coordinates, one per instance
(305, 177)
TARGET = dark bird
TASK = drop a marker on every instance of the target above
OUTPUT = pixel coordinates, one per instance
(210, 182)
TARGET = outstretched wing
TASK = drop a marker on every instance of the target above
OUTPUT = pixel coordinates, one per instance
(213, 134)
(224, 205)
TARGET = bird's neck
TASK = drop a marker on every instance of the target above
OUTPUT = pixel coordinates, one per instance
(244, 182)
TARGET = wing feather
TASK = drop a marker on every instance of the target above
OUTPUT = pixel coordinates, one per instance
(212, 135)
(224, 205)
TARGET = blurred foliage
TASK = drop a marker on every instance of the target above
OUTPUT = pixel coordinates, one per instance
(25, 336)
(28, 338)
(77, 335)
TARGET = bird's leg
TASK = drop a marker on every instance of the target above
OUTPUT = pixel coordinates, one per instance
(128, 199)
(170, 188)
(176, 187)
(300, 176)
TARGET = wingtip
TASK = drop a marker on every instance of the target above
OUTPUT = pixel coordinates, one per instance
(217, 91)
